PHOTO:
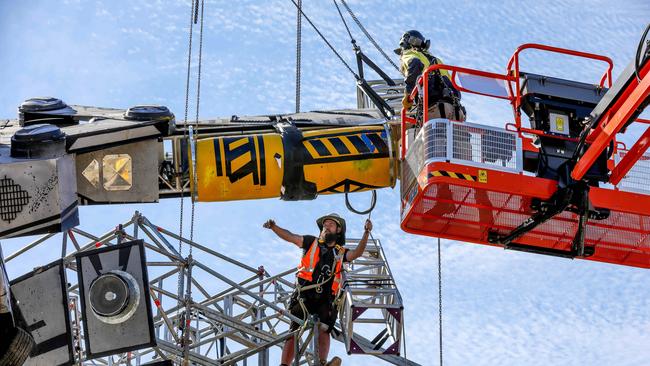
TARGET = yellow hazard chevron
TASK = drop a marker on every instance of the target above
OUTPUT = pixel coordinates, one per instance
(345, 144)
(444, 173)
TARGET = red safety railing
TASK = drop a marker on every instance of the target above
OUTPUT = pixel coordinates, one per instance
(423, 81)
(514, 61)
(512, 77)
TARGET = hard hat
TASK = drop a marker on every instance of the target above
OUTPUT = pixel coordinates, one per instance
(338, 220)
(410, 39)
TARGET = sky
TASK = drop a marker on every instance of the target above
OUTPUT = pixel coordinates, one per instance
(500, 307)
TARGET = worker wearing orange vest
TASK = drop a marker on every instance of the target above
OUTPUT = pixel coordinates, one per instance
(319, 277)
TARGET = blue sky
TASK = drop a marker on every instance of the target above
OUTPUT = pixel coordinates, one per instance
(501, 307)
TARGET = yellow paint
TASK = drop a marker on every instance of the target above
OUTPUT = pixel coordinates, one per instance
(363, 165)
(359, 170)
(237, 143)
(559, 124)
(213, 187)
(482, 176)
(330, 175)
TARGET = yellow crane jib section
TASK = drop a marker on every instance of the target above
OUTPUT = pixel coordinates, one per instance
(294, 165)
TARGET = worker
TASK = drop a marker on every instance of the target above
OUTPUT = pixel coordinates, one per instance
(319, 278)
(444, 98)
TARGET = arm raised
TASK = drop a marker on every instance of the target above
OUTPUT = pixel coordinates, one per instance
(354, 254)
(284, 233)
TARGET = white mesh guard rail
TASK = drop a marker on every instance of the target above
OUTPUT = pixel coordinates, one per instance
(468, 144)
(461, 143)
(637, 179)
(486, 147)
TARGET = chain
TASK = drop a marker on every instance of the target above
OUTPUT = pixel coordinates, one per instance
(298, 53)
(187, 102)
(198, 102)
(440, 299)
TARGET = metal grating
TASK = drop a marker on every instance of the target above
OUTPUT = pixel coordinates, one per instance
(391, 94)
(486, 146)
(467, 214)
(636, 180)
(460, 142)
(12, 199)
(467, 144)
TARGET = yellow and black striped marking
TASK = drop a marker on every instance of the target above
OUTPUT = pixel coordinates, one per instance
(345, 146)
(241, 157)
(348, 185)
(444, 173)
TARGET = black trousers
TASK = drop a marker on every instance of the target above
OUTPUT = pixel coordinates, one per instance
(323, 307)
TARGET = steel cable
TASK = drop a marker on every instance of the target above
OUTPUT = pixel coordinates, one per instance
(347, 66)
(372, 40)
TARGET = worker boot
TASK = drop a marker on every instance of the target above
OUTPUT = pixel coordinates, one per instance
(334, 362)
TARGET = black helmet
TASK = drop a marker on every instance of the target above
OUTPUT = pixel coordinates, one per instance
(410, 39)
(339, 221)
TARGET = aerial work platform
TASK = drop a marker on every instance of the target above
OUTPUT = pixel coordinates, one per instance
(563, 186)
(461, 180)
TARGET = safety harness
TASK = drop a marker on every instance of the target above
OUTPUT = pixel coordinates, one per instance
(306, 270)
(442, 92)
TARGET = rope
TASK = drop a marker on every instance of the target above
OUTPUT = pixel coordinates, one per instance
(363, 29)
(373, 202)
(298, 53)
(440, 299)
(326, 41)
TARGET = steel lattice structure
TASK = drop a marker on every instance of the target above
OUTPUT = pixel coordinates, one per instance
(237, 312)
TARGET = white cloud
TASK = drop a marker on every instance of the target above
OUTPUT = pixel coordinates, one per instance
(501, 307)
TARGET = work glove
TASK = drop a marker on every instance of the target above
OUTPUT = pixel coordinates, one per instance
(406, 103)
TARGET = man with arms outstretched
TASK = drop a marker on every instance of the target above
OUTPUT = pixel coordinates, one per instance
(319, 278)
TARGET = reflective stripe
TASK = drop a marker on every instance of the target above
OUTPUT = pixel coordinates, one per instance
(336, 284)
(410, 54)
(312, 263)
(308, 262)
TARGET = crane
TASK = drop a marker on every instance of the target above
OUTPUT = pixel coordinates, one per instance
(78, 155)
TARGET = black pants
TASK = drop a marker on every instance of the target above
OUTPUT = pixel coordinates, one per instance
(323, 307)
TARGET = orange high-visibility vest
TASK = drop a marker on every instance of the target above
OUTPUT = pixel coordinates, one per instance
(310, 260)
